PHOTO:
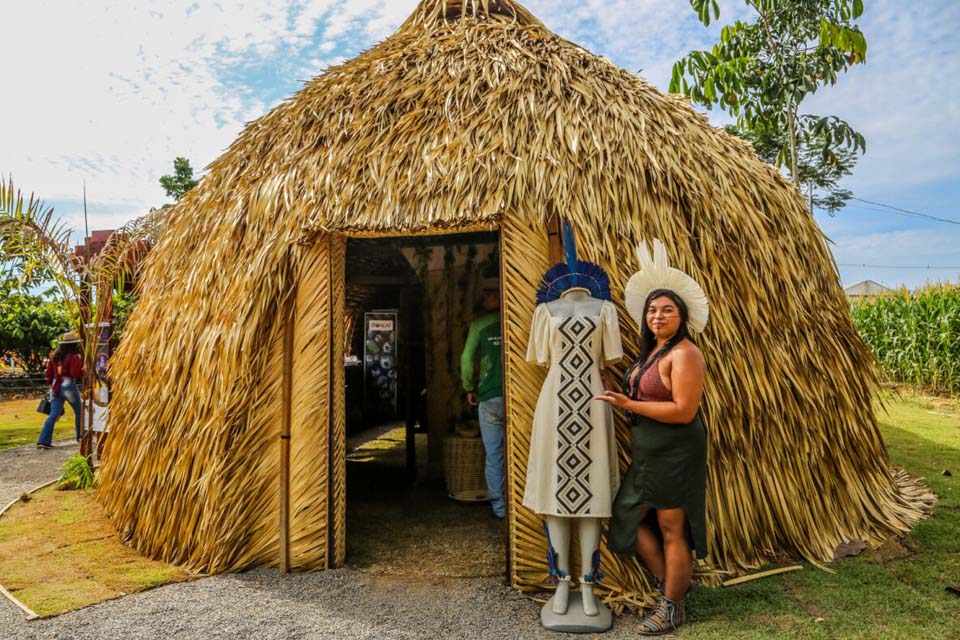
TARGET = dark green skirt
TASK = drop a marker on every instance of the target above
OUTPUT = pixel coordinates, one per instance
(669, 470)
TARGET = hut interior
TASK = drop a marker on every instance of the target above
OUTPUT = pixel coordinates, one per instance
(408, 306)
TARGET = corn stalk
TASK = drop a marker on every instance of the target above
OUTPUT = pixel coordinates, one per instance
(915, 336)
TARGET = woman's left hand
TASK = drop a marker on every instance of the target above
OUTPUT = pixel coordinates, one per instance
(618, 400)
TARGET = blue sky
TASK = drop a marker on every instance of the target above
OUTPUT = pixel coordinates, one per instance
(110, 92)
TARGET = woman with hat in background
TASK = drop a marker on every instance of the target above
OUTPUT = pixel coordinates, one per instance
(659, 511)
(64, 373)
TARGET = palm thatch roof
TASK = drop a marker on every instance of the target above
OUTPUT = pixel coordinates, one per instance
(473, 115)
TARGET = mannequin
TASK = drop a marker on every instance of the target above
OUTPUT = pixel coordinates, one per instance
(572, 469)
(573, 302)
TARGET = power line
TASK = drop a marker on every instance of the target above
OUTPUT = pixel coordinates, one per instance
(907, 212)
(863, 208)
(893, 266)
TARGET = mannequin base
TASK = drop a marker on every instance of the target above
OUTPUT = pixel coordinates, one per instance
(574, 621)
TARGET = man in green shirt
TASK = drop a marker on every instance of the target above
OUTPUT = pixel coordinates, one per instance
(486, 392)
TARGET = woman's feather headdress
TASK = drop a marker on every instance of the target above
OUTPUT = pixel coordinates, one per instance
(656, 273)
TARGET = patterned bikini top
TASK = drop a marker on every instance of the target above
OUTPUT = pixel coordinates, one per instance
(650, 387)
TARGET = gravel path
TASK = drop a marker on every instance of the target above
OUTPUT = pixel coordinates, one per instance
(26, 468)
(344, 603)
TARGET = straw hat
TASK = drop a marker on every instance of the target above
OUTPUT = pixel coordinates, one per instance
(70, 337)
(655, 273)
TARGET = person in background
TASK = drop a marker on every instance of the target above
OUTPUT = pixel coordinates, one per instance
(485, 391)
(64, 373)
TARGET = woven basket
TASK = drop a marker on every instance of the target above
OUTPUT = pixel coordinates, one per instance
(463, 462)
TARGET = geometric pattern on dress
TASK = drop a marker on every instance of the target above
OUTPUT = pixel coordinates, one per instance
(574, 426)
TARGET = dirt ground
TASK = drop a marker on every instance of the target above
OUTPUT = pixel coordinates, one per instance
(413, 529)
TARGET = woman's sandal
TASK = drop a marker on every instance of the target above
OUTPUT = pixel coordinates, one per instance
(666, 617)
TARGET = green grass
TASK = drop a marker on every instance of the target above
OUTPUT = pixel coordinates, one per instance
(20, 423)
(58, 552)
(897, 591)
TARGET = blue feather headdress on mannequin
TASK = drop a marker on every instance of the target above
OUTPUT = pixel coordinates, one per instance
(572, 273)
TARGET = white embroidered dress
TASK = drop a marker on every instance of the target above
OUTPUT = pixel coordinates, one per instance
(572, 468)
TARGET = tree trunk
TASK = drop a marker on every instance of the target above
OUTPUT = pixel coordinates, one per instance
(791, 124)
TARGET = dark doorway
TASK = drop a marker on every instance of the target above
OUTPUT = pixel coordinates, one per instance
(409, 302)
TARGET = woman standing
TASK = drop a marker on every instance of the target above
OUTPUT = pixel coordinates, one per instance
(64, 373)
(659, 512)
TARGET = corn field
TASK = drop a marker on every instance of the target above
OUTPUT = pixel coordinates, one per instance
(915, 335)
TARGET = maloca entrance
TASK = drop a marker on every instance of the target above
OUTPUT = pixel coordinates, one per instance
(408, 304)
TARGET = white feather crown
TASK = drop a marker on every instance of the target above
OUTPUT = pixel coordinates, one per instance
(656, 273)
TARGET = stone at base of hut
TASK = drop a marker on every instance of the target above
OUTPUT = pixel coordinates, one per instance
(574, 620)
(849, 548)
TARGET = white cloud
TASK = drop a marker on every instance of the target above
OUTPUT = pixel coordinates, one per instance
(112, 88)
(904, 99)
(925, 243)
(112, 91)
(645, 35)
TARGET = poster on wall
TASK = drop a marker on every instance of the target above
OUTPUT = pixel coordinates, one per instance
(101, 382)
(103, 352)
(380, 364)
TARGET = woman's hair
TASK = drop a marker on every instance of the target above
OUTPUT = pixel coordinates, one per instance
(647, 338)
(64, 350)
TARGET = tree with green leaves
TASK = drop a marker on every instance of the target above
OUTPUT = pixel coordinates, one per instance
(180, 181)
(761, 71)
(33, 240)
(820, 173)
(30, 325)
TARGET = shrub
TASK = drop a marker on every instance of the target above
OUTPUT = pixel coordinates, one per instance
(77, 474)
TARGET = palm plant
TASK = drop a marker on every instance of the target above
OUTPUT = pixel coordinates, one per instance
(34, 243)
(32, 225)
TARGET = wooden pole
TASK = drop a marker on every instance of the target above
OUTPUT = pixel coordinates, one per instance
(554, 241)
(507, 440)
(337, 448)
(285, 417)
(88, 348)
(87, 438)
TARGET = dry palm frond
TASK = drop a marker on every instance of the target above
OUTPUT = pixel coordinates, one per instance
(475, 116)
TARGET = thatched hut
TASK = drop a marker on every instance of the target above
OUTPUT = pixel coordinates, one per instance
(228, 410)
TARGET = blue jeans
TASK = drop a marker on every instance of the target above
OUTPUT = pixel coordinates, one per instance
(492, 431)
(68, 393)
